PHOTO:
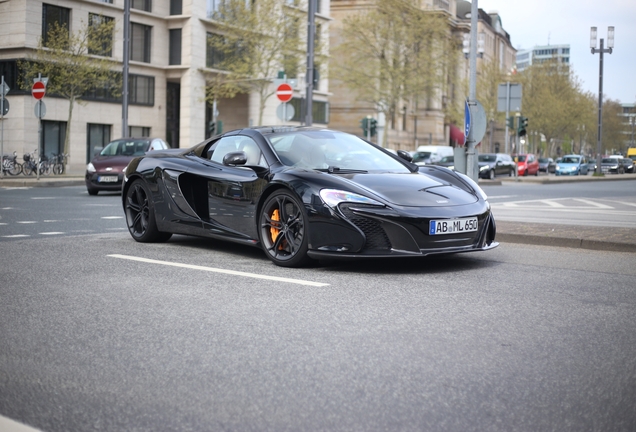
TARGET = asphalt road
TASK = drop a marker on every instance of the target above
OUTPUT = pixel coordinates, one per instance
(205, 335)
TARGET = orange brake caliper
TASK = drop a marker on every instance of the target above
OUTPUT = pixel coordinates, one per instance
(273, 230)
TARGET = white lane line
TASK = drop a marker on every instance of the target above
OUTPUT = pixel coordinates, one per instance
(51, 220)
(217, 270)
(52, 233)
(41, 198)
(27, 222)
(16, 236)
(593, 203)
(112, 217)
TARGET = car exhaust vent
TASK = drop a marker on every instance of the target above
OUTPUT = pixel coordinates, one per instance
(372, 229)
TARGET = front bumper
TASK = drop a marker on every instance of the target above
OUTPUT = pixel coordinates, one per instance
(98, 181)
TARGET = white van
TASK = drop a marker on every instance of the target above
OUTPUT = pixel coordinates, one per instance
(431, 154)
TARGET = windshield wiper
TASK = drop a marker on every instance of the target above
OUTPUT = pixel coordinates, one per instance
(338, 170)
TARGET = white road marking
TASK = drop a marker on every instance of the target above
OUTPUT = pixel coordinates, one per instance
(27, 222)
(51, 220)
(52, 233)
(16, 235)
(112, 217)
(217, 270)
(593, 203)
(42, 198)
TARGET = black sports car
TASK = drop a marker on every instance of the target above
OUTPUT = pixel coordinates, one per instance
(305, 193)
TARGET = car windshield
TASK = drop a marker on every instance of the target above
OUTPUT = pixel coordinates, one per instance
(609, 160)
(126, 148)
(521, 158)
(570, 159)
(447, 159)
(487, 158)
(543, 160)
(331, 151)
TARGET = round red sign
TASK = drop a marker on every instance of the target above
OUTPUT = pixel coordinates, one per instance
(284, 92)
(38, 90)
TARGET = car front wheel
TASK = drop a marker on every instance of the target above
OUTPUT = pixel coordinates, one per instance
(283, 230)
(140, 214)
(491, 174)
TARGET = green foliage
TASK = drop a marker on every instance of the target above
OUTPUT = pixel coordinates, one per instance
(392, 52)
(69, 62)
(252, 42)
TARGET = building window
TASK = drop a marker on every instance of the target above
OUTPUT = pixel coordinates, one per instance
(140, 42)
(52, 16)
(103, 92)
(106, 1)
(174, 56)
(213, 7)
(9, 70)
(105, 47)
(176, 7)
(53, 135)
(320, 111)
(98, 136)
(144, 5)
(138, 131)
(141, 90)
(214, 56)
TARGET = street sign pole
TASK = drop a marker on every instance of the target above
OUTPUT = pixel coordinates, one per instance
(3, 91)
(471, 159)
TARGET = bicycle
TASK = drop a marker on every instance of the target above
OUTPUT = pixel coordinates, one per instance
(29, 167)
(59, 163)
(10, 164)
(45, 165)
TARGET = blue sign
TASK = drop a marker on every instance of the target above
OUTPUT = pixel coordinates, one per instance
(466, 121)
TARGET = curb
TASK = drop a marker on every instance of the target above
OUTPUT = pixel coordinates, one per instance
(574, 243)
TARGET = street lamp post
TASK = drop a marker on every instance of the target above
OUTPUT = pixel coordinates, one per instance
(601, 51)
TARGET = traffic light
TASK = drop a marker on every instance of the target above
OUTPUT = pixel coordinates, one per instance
(523, 124)
(373, 125)
(510, 122)
(364, 124)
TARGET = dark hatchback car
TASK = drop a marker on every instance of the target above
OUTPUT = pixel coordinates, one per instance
(547, 165)
(494, 164)
(106, 171)
(612, 165)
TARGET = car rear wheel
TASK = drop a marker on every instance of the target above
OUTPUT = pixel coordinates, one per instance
(140, 214)
(283, 230)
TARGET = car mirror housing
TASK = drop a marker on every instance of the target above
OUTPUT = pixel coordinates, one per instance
(405, 155)
(235, 158)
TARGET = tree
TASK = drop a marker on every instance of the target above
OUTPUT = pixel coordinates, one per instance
(252, 42)
(553, 101)
(75, 64)
(489, 76)
(392, 53)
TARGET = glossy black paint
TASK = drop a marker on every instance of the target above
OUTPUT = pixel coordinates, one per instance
(195, 196)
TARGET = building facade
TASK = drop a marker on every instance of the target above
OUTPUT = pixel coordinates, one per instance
(542, 53)
(169, 62)
(425, 122)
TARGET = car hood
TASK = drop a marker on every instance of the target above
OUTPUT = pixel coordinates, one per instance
(116, 163)
(568, 165)
(413, 190)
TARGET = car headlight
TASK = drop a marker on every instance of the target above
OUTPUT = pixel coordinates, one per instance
(484, 168)
(90, 168)
(333, 197)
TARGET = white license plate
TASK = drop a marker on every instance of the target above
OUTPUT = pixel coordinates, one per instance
(107, 179)
(452, 226)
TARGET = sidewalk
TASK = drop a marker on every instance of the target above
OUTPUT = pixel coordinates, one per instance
(573, 236)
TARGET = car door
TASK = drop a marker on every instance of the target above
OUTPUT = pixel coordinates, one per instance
(232, 191)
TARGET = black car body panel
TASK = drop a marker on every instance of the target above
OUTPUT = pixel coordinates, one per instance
(193, 195)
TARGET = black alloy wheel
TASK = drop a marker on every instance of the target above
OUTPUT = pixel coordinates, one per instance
(140, 215)
(283, 230)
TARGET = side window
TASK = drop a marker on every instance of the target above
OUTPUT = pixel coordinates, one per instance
(235, 143)
(222, 147)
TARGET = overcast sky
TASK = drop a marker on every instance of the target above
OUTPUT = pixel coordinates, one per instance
(539, 22)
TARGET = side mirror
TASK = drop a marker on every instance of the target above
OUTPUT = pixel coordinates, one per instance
(235, 158)
(405, 155)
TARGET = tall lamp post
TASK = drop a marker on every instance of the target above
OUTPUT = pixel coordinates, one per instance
(601, 51)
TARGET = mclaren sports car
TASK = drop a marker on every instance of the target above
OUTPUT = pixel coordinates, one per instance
(304, 194)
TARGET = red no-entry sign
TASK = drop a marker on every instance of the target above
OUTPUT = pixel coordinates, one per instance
(38, 90)
(284, 92)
